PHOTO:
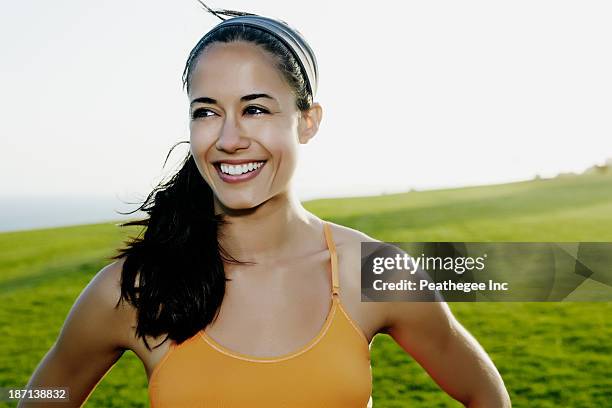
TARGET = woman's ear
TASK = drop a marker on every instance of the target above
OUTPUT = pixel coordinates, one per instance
(309, 122)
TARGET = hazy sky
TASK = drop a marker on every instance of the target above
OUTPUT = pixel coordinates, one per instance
(415, 94)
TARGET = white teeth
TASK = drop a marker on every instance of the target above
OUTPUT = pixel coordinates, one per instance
(236, 170)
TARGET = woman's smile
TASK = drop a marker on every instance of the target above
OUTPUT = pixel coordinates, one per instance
(237, 171)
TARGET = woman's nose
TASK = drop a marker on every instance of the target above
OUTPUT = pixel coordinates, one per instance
(231, 137)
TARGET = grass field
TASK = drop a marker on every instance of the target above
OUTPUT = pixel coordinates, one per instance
(549, 354)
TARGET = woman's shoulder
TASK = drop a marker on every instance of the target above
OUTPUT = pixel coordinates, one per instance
(344, 235)
(97, 324)
(349, 242)
(369, 316)
(105, 291)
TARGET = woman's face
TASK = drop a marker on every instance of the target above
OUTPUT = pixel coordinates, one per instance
(244, 124)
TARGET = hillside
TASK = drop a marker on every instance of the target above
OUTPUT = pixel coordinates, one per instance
(550, 355)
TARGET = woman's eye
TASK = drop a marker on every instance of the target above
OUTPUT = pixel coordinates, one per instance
(201, 112)
(255, 110)
(205, 113)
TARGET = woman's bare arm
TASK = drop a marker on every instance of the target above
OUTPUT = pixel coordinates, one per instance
(443, 347)
(93, 337)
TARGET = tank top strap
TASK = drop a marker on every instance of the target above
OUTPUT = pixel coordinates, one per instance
(331, 246)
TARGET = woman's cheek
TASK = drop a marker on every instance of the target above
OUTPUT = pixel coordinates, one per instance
(288, 158)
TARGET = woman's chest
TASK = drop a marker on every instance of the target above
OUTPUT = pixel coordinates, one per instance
(331, 369)
(260, 336)
(274, 314)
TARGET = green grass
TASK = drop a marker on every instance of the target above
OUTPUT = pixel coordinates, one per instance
(549, 354)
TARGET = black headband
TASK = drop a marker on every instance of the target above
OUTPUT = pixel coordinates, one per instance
(289, 36)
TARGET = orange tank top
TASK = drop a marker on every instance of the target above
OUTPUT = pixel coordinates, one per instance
(332, 370)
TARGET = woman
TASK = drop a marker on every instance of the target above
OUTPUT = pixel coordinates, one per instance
(250, 299)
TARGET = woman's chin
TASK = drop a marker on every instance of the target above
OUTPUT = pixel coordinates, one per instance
(238, 203)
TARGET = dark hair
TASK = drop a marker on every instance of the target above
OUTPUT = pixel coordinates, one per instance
(173, 274)
(286, 62)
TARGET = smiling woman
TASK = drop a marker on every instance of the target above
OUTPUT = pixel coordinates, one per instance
(252, 300)
(251, 98)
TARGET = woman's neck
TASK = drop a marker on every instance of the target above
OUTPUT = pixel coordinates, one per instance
(275, 228)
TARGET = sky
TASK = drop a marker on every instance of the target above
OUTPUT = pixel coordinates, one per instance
(416, 95)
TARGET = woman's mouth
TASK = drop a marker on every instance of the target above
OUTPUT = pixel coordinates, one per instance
(236, 173)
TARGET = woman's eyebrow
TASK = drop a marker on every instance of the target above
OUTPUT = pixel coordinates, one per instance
(203, 99)
(250, 97)
(245, 98)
